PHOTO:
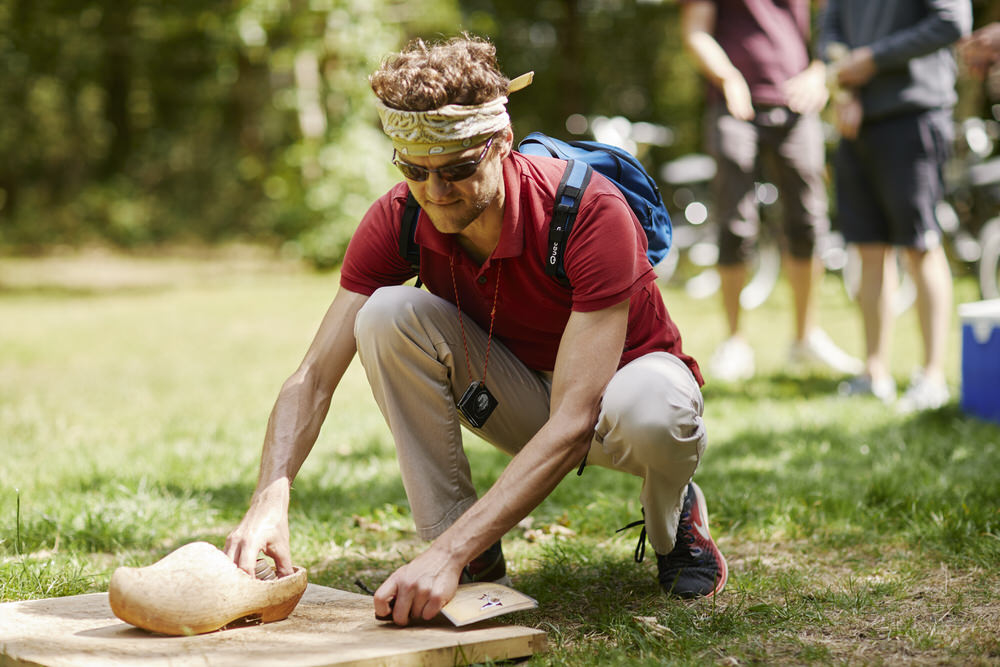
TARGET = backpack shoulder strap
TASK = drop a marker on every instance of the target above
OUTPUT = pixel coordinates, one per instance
(574, 181)
(408, 248)
(539, 139)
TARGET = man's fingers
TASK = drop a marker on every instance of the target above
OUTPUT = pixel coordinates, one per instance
(425, 606)
(246, 558)
(741, 111)
(234, 552)
(401, 607)
(432, 607)
(385, 597)
(282, 562)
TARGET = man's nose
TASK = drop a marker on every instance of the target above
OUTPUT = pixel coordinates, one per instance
(436, 186)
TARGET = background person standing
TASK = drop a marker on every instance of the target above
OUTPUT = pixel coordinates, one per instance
(763, 107)
(895, 118)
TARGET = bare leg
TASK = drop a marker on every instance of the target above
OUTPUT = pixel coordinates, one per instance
(811, 344)
(733, 278)
(878, 282)
(932, 276)
(733, 359)
(802, 274)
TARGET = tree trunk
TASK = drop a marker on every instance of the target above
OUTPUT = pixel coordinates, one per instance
(117, 34)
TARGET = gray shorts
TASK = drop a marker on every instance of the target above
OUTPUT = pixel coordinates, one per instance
(889, 180)
(782, 147)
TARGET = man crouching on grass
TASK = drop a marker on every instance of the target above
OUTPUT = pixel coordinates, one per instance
(556, 376)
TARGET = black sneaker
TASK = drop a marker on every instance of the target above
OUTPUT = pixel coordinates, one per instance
(488, 566)
(695, 567)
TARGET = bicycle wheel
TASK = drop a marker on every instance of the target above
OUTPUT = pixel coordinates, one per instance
(766, 269)
(989, 261)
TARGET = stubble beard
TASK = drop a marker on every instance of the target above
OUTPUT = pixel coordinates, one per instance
(454, 218)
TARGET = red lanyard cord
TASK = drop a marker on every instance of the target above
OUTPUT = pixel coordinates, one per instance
(461, 323)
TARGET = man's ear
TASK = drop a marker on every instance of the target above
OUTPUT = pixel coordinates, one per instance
(506, 141)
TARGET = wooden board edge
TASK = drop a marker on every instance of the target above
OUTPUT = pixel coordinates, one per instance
(492, 650)
(12, 661)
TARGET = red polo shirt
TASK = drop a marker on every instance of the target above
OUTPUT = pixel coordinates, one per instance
(766, 40)
(605, 262)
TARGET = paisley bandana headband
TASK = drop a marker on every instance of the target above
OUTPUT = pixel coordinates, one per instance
(450, 129)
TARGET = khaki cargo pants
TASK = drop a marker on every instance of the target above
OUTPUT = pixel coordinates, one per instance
(410, 343)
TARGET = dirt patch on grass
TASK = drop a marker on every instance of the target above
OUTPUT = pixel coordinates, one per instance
(863, 608)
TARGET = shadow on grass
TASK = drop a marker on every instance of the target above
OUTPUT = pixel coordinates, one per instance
(128, 515)
(928, 479)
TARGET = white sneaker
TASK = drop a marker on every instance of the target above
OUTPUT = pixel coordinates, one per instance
(817, 347)
(923, 394)
(862, 385)
(732, 361)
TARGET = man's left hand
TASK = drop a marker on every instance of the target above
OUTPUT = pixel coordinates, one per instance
(856, 68)
(419, 589)
(806, 91)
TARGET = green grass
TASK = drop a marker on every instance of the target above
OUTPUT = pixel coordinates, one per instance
(132, 410)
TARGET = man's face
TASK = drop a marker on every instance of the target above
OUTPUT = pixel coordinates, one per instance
(454, 205)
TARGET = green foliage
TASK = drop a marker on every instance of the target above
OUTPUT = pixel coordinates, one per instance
(139, 123)
(609, 58)
(142, 122)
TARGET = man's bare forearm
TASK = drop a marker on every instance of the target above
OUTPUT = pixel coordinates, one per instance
(292, 429)
(697, 23)
(526, 481)
(304, 400)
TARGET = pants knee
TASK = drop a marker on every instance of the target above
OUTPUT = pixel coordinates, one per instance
(383, 311)
(653, 421)
(653, 426)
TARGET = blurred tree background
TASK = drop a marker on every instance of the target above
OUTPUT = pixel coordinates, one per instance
(146, 123)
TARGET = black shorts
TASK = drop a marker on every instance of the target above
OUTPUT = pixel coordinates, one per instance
(889, 180)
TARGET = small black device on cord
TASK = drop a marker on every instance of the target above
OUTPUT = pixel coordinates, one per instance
(477, 403)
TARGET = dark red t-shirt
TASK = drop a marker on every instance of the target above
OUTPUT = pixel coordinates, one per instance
(766, 40)
(605, 262)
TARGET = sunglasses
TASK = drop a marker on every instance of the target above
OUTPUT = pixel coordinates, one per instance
(449, 172)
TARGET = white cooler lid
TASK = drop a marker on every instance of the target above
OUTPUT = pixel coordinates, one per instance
(982, 317)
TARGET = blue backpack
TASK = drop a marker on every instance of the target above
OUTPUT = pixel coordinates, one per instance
(582, 159)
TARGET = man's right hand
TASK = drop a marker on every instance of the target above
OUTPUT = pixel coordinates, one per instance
(849, 115)
(263, 528)
(737, 94)
(981, 49)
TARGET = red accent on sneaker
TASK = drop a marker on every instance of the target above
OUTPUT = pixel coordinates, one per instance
(703, 539)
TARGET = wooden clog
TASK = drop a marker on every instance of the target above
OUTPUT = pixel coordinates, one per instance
(197, 589)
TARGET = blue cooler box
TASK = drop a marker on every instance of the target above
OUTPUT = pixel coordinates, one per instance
(981, 358)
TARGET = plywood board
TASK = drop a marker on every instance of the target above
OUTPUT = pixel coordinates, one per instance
(328, 627)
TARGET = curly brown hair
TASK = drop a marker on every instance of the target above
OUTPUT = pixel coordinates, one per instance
(421, 77)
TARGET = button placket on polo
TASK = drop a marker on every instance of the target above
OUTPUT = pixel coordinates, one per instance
(478, 275)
